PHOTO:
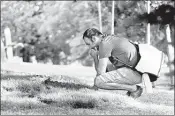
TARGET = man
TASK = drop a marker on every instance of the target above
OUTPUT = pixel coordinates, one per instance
(125, 72)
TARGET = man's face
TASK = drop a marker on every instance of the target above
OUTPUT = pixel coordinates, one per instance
(92, 43)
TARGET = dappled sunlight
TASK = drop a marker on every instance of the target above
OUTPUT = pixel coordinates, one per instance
(149, 107)
(159, 98)
(64, 95)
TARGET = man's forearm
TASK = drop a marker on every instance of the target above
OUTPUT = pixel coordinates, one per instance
(96, 63)
(98, 71)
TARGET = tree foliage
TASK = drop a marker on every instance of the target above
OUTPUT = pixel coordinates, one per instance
(58, 26)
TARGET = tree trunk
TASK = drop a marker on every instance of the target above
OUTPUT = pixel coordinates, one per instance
(148, 25)
(99, 12)
(112, 26)
(170, 54)
(148, 33)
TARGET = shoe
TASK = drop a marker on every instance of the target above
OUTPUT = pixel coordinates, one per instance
(137, 93)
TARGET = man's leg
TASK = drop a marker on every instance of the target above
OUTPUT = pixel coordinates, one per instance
(120, 79)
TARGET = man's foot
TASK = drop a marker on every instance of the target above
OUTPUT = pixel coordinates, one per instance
(137, 93)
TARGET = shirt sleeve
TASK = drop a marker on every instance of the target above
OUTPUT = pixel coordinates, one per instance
(105, 50)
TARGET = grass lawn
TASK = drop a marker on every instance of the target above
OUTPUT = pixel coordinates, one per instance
(31, 94)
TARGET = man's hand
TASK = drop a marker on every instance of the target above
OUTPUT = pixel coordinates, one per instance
(94, 53)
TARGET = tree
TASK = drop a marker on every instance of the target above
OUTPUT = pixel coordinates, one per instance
(148, 25)
(99, 11)
(62, 23)
(112, 26)
(170, 54)
(163, 15)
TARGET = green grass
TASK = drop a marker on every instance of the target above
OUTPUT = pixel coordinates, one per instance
(23, 93)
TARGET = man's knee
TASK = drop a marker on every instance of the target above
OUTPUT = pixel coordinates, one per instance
(99, 82)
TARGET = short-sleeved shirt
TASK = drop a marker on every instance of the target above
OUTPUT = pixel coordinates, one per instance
(120, 48)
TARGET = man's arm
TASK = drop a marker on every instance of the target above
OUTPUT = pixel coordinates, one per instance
(102, 65)
(94, 54)
(96, 60)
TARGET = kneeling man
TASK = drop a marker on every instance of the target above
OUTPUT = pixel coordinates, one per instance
(129, 62)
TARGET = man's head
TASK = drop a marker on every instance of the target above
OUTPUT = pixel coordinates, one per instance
(92, 37)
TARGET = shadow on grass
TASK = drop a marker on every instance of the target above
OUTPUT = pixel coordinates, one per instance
(32, 108)
(74, 103)
(81, 104)
(71, 86)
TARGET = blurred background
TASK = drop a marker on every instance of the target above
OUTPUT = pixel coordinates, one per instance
(50, 32)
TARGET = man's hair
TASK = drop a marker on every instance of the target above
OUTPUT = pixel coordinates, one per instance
(91, 32)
